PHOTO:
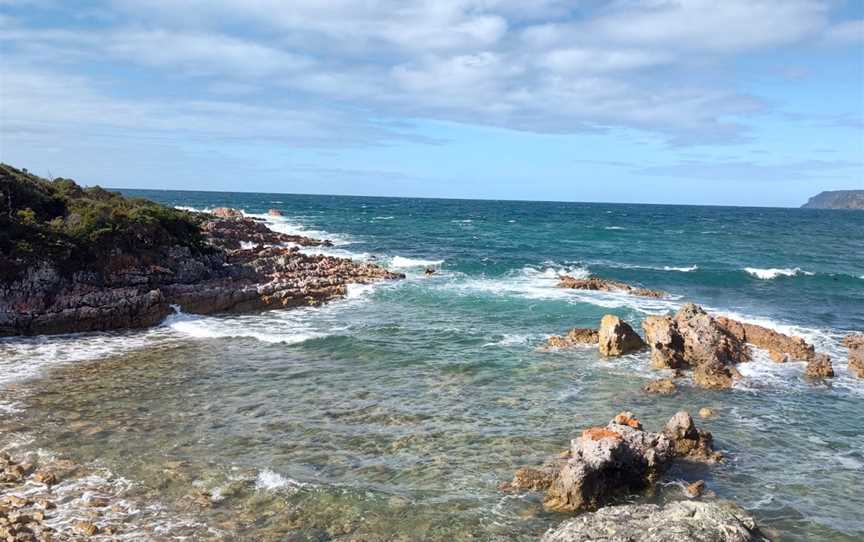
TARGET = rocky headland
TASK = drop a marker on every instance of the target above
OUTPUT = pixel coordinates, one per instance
(836, 199)
(76, 259)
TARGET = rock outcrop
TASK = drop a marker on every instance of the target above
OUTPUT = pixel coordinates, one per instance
(781, 347)
(610, 461)
(574, 337)
(617, 338)
(227, 212)
(681, 521)
(134, 291)
(836, 199)
(667, 345)
(819, 366)
(855, 343)
(663, 386)
(604, 285)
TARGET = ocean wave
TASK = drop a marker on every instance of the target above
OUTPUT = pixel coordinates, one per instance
(383, 217)
(289, 226)
(680, 269)
(192, 209)
(399, 262)
(262, 328)
(614, 228)
(773, 272)
(269, 480)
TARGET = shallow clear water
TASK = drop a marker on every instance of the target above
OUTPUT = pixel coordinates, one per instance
(394, 414)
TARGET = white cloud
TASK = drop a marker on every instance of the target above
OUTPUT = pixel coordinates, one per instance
(846, 32)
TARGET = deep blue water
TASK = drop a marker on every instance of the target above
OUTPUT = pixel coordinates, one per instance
(394, 414)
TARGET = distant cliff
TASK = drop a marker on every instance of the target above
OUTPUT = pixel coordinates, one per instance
(836, 199)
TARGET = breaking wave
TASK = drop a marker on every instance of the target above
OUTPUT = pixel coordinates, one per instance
(773, 273)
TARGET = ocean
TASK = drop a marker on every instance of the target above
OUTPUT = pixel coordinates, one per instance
(395, 413)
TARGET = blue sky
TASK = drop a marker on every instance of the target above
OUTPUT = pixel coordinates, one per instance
(739, 102)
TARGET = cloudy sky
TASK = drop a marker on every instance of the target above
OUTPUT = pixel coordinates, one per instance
(745, 102)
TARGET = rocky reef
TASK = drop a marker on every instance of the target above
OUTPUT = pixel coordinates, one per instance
(680, 521)
(142, 258)
(598, 284)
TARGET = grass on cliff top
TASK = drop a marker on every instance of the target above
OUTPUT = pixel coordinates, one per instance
(81, 228)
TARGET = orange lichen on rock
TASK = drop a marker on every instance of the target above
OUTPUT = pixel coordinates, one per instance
(626, 418)
(599, 433)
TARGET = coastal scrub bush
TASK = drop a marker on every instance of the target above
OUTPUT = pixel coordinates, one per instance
(78, 228)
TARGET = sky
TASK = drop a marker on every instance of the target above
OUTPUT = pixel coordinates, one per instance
(732, 102)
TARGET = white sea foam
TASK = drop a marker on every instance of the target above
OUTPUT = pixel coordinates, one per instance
(399, 262)
(383, 217)
(265, 327)
(772, 273)
(192, 209)
(269, 480)
(681, 269)
(614, 228)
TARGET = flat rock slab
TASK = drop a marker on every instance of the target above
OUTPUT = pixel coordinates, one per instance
(684, 521)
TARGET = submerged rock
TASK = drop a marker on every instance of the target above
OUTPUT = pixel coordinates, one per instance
(663, 386)
(576, 336)
(604, 285)
(605, 462)
(706, 412)
(529, 479)
(616, 337)
(819, 367)
(683, 521)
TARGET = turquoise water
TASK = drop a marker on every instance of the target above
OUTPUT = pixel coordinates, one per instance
(394, 414)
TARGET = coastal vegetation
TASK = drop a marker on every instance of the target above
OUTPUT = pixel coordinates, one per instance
(77, 228)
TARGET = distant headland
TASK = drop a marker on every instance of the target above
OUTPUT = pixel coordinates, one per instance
(836, 199)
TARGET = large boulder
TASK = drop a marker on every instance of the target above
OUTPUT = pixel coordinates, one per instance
(705, 340)
(574, 337)
(616, 337)
(227, 212)
(682, 521)
(662, 386)
(610, 461)
(714, 375)
(780, 347)
(667, 345)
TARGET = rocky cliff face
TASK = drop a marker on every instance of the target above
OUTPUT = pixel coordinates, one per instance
(836, 199)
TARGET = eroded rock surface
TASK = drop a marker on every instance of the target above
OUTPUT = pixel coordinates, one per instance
(574, 337)
(663, 386)
(819, 366)
(781, 347)
(603, 285)
(667, 345)
(682, 521)
(616, 337)
(690, 442)
(855, 344)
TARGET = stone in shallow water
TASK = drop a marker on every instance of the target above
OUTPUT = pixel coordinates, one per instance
(684, 521)
(616, 337)
(663, 386)
(819, 367)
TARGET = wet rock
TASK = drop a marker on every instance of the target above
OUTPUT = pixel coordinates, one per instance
(609, 461)
(274, 212)
(706, 412)
(604, 285)
(227, 212)
(574, 337)
(667, 345)
(819, 366)
(529, 479)
(85, 528)
(713, 376)
(683, 521)
(429, 272)
(14, 501)
(663, 386)
(45, 477)
(688, 441)
(781, 348)
(853, 341)
(695, 489)
(616, 337)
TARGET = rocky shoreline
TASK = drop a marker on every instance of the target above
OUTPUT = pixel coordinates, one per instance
(134, 292)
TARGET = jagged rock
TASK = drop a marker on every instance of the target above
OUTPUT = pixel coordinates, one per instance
(688, 441)
(576, 336)
(705, 340)
(274, 212)
(663, 386)
(682, 521)
(604, 285)
(608, 461)
(232, 234)
(227, 212)
(667, 345)
(819, 366)
(853, 341)
(616, 337)
(782, 348)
